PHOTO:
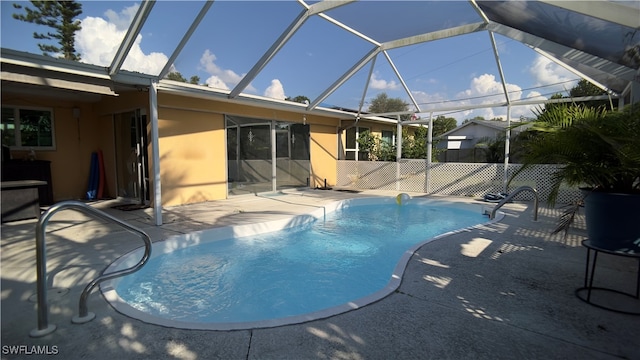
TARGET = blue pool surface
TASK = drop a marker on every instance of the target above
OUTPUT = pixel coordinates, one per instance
(318, 268)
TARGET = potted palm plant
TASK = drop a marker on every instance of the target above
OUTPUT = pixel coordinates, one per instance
(600, 153)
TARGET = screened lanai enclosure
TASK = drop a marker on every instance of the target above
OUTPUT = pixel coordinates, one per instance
(219, 61)
(440, 56)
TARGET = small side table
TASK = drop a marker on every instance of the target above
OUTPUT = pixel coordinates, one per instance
(584, 293)
(20, 199)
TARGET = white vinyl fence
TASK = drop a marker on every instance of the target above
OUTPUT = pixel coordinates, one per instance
(459, 179)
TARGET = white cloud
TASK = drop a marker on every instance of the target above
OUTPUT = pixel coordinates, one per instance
(220, 78)
(380, 84)
(427, 100)
(536, 95)
(216, 82)
(546, 72)
(151, 63)
(486, 113)
(207, 61)
(275, 90)
(488, 90)
(485, 89)
(527, 110)
(99, 40)
(124, 18)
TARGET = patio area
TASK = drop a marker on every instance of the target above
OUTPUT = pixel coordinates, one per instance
(504, 290)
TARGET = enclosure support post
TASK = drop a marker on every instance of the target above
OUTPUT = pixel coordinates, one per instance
(398, 150)
(507, 141)
(274, 165)
(427, 175)
(155, 153)
(505, 179)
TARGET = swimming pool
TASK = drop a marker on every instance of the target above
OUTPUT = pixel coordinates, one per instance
(336, 259)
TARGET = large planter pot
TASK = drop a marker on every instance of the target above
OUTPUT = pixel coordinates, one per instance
(613, 220)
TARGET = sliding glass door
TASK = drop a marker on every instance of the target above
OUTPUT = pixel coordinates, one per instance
(131, 156)
(266, 155)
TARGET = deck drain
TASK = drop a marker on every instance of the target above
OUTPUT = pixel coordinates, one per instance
(52, 294)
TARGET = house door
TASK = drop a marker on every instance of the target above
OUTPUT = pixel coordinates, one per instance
(131, 156)
(266, 155)
(293, 165)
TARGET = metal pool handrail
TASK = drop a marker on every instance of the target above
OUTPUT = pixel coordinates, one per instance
(84, 315)
(514, 193)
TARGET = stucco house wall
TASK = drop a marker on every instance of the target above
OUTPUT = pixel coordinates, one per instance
(192, 143)
(79, 129)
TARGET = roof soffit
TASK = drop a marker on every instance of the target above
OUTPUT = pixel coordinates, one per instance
(45, 70)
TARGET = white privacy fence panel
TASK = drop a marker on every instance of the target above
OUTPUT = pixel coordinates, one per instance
(367, 174)
(466, 179)
(413, 175)
(459, 179)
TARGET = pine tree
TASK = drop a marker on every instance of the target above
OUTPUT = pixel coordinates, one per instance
(59, 16)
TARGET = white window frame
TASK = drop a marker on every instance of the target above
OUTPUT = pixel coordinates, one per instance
(393, 136)
(18, 137)
(356, 150)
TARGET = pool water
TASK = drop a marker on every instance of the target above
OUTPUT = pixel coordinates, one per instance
(349, 254)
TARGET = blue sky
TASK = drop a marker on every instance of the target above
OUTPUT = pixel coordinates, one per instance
(235, 34)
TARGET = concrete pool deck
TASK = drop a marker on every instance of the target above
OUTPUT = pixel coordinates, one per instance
(502, 291)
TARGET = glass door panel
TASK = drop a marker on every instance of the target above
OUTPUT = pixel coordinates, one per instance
(292, 155)
(131, 156)
(248, 155)
(253, 145)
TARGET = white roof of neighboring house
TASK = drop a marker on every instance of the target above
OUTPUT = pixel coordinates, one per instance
(497, 125)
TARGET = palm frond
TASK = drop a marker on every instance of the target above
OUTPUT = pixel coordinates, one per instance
(599, 149)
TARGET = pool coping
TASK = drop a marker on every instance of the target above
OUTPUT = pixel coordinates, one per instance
(108, 288)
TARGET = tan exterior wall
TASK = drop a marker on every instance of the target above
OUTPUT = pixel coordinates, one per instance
(192, 143)
(376, 128)
(324, 154)
(192, 156)
(75, 139)
(193, 146)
